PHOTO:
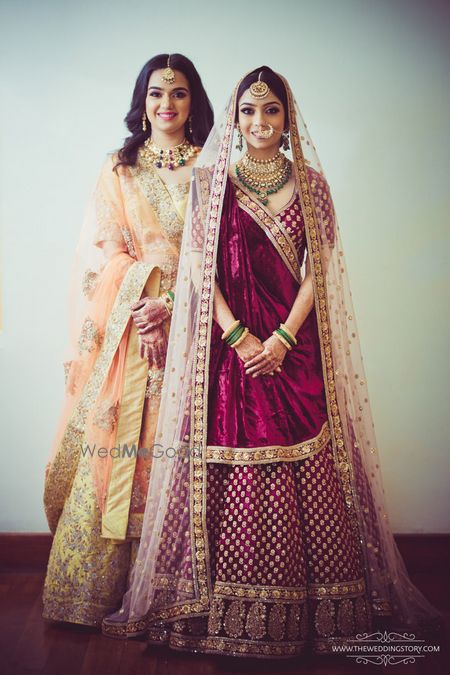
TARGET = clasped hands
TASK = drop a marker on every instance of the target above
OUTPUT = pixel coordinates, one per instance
(148, 315)
(261, 358)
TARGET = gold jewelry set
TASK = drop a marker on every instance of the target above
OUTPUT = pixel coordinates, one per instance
(264, 176)
(171, 158)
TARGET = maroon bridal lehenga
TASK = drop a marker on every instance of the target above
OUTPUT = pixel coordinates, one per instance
(265, 531)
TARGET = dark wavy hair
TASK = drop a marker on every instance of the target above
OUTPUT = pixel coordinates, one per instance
(201, 109)
(274, 82)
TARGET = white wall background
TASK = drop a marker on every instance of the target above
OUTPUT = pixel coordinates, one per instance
(371, 78)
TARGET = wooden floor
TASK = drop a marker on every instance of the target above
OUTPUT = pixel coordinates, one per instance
(29, 645)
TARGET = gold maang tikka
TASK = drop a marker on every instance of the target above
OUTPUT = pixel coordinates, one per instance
(168, 74)
(259, 89)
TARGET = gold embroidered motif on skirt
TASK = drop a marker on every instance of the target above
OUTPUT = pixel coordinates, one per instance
(234, 619)
(256, 621)
(86, 575)
(345, 620)
(324, 619)
(277, 622)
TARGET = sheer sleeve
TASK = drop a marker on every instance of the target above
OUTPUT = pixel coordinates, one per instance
(109, 209)
(324, 207)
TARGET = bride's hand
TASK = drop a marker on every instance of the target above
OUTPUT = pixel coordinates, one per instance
(249, 347)
(269, 360)
(148, 313)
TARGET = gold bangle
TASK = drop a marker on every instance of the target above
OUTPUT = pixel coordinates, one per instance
(281, 339)
(245, 332)
(230, 329)
(286, 330)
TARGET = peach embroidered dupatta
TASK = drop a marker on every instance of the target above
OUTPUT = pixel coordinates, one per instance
(129, 243)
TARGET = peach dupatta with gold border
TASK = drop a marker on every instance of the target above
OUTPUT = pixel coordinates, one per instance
(129, 246)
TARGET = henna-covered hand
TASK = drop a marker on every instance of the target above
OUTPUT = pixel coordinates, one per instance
(269, 359)
(153, 347)
(148, 313)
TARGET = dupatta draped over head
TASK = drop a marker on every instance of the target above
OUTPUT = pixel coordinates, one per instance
(171, 577)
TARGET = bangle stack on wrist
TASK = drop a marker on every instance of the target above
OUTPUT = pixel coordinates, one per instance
(235, 334)
(169, 299)
(285, 336)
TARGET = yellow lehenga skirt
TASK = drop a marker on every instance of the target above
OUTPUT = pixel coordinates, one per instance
(88, 574)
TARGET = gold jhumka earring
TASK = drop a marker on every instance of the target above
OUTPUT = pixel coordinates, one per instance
(285, 140)
(168, 74)
(190, 124)
(144, 121)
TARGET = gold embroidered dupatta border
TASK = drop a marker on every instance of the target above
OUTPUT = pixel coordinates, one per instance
(117, 506)
(59, 480)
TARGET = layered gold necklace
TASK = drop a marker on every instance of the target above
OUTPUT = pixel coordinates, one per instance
(171, 158)
(264, 177)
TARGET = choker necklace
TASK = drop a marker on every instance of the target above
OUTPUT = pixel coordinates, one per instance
(167, 157)
(264, 177)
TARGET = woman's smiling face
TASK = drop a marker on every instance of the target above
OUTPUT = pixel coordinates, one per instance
(167, 105)
(262, 121)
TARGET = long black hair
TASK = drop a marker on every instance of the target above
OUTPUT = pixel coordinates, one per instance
(275, 84)
(202, 116)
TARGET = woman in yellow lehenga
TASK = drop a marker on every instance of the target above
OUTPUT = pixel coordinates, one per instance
(122, 294)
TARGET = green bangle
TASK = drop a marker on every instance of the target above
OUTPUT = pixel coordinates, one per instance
(171, 294)
(235, 335)
(236, 338)
(286, 336)
(234, 331)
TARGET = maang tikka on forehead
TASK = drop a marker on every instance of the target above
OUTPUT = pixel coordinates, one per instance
(259, 89)
(168, 74)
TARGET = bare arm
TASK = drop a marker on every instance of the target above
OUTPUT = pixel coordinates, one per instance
(303, 302)
(221, 312)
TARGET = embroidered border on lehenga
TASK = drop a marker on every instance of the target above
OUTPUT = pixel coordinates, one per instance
(271, 453)
(271, 622)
